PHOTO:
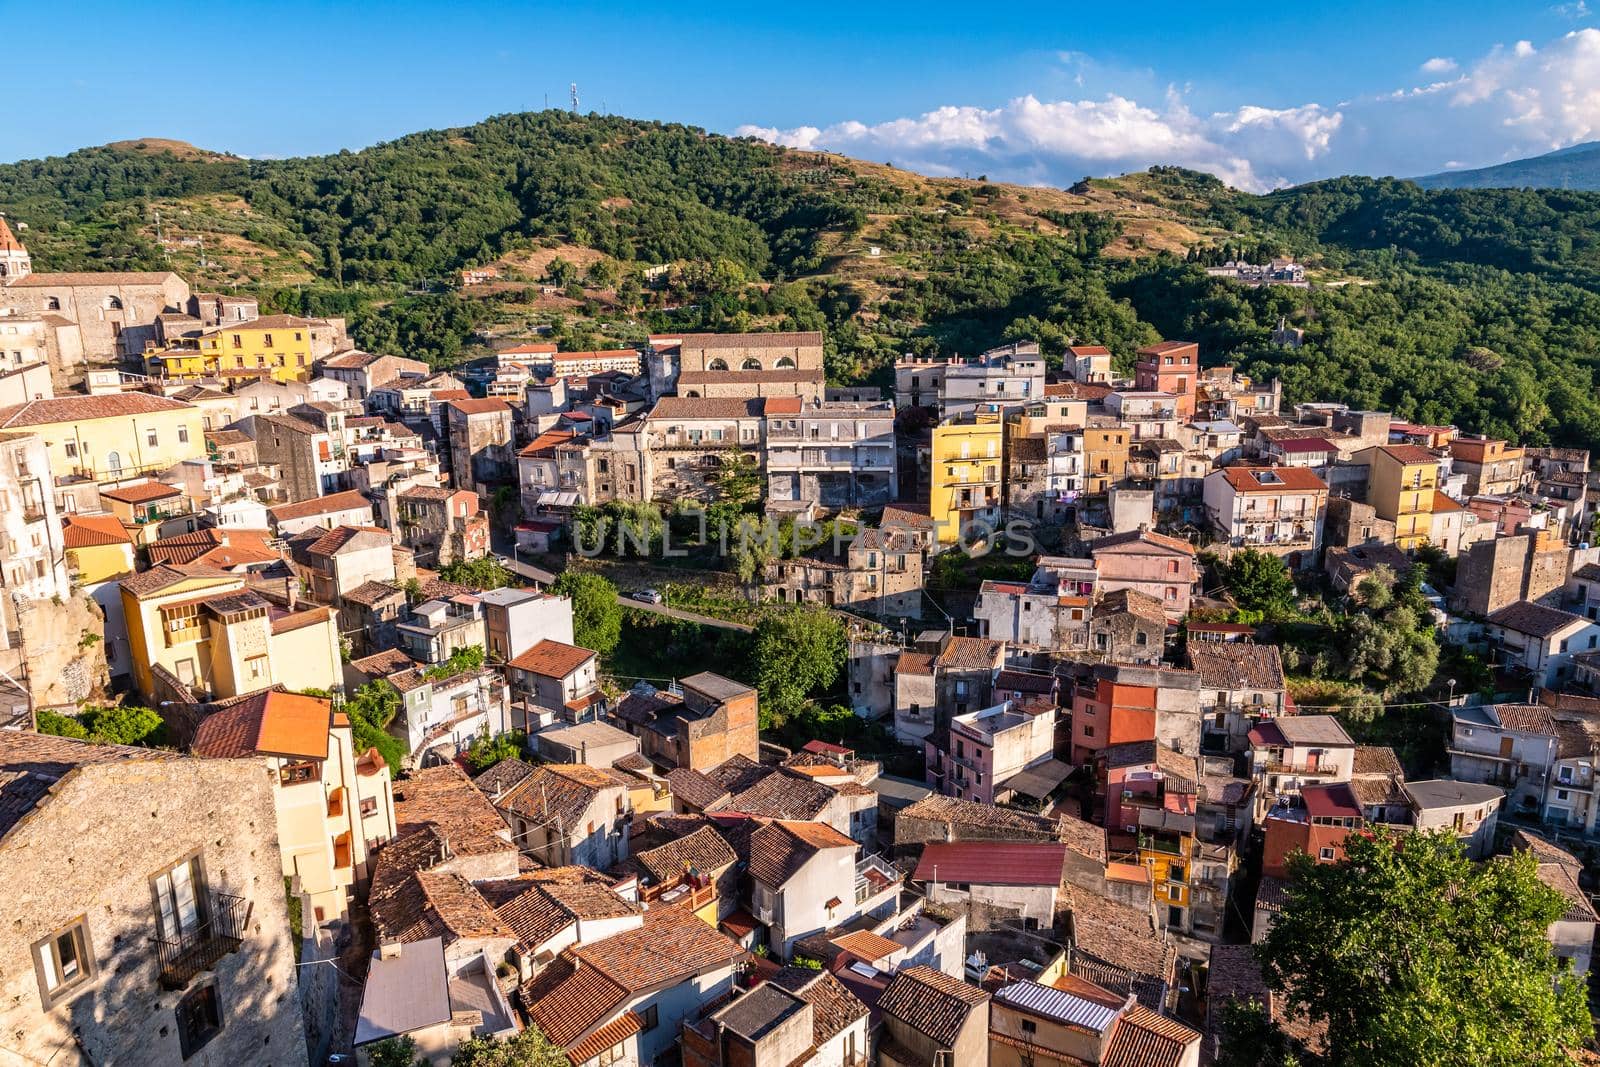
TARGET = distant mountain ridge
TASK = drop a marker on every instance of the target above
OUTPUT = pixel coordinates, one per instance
(1574, 167)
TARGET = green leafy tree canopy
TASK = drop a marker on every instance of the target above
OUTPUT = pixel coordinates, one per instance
(1414, 954)
(596, 615)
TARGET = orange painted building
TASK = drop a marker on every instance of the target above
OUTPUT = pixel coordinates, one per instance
(1318, 827)
(1170, 367)
(1109, 714)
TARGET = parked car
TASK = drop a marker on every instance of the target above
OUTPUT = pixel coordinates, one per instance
(649, 596)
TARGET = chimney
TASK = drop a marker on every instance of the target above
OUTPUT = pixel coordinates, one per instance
(291, 591)
(222, 536)
(390, 950)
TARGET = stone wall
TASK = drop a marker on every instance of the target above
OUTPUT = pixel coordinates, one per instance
(62, 654)
(90, 851)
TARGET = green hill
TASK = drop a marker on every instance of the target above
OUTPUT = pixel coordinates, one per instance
(1574, 167)
(1479, 307)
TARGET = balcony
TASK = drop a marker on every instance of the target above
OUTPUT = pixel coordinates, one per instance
(1310, 768)
(221, 932)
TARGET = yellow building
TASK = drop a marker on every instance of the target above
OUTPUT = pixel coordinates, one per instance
(198, 634)
(966, 476)
(98, 548)
(113, 438)
(284, 346)
(1401, 486)
(334, 805)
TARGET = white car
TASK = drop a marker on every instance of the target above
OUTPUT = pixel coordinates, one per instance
(649, 596)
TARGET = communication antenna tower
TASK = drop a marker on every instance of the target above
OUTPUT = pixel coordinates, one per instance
(574, 98)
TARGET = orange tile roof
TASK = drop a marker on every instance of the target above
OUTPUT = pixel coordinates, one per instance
(217, 548)
(140, 492)
(349, 500)
(89, 531)
(552, 659)
(267, 724)
(84, 408)
(484, 406)
(546, 442)
(1289, 479)
(868, 945)
(784, 405)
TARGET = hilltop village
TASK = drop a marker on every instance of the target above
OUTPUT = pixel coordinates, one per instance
(991, 723)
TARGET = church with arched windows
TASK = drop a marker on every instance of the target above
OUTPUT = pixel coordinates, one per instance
(731, 365)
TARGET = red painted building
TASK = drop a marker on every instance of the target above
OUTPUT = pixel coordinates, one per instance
(1170, 367)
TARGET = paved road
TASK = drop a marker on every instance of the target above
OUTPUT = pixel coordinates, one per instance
(539, 574)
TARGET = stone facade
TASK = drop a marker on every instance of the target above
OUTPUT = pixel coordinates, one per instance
(1493, 574)
(115, 312)
(69, 860)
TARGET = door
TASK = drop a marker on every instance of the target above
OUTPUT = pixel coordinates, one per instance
(1506, 744)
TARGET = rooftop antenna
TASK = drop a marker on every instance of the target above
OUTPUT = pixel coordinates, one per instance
(574, 98)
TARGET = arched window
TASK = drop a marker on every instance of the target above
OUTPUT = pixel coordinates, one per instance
(785, 363)
(52, 303)
(113, 464)
(750, 363)
(113, 303)
(717, 364)
(692, 392)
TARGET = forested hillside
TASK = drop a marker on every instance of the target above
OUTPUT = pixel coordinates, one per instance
(1479, 307)
(1574, 167)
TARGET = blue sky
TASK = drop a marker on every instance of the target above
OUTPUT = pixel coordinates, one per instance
(1259, 94)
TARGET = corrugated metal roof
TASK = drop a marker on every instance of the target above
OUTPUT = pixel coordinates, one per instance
(1058, 1004)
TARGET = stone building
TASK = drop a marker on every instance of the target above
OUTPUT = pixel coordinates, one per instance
(312, 459)
(441, 526)
(115, 312)
(736, 364)
(481, 451)
(880, 574)
(1497, 573)
(177, 950)
(687, 440)
(711, 720)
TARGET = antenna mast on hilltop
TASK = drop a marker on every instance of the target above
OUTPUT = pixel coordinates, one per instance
(574, 98)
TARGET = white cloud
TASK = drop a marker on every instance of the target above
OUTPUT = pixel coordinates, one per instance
(1515, 100)
(1574, 11)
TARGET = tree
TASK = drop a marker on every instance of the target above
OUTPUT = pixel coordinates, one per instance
(395, 1052)
(51, 722)
(371, 709)
(1414, 954)
(121, 725)
(796, 653)
(1250, 1038)
(481, 574)
(739, 477)
(530, 1048)
(1259, 581)
(485, 751)
(596, 615)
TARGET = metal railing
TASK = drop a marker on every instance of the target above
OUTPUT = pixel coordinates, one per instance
(193, 951)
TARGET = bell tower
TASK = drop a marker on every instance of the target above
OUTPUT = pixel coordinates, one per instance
(14, 259)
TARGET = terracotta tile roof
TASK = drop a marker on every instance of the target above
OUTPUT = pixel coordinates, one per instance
(141, 492)
(369, 593)
(931, 1003)
(382, 664)
(1143, 1038)
(485, 406)
(707, 407)
(695, 789)
(1235, 975)
(704, 850)
(1535, 620)
(1409, 454)
(986, 822)
(779, 849)
(166, 575)
(782, 794)
(1376, 759)
(267, 724)
(755, 339)
(32, 764)
(1284, 479)
(971, 653)
(1237, 665)
(672, 945)
(216, 548)
(299, 620)
(867, 945)
(438, 904)
(90, 531)
(552, 659)
(68, 409)
(445, 796)
(920, 663)
(568, 1002)
(738, 773)
(1141, 538)
(547, 442)
(895, 515)
(608, 1036)
(1526, 718)
(562, 791)
(783, 405)
(503, 777)
(1115, 947)
(354, 538)
(349, 500)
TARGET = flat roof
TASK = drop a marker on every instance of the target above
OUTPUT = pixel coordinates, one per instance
(405, 992)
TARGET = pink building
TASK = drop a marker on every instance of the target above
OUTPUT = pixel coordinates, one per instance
(1145, 775)
(1154, 564)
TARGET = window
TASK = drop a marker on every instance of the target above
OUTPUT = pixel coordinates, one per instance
(183, 435)
(1029, 1027)
(71, 449)
(113, 303)
(63, 962)
(52, 303)
(238, 342)
(650, 1018)
(611, 1055)
(199, 1016)
(266, 340)
(151, 439)
(301, 771)
(750, 363)
(1088, 731)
